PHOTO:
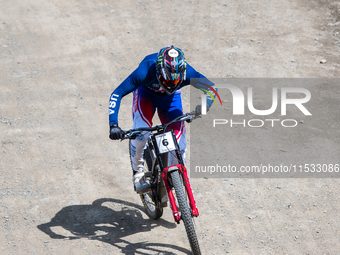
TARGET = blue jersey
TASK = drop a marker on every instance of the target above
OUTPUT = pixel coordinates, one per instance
(145, 75)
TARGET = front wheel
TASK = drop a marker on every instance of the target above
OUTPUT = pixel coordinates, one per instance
(185, 212)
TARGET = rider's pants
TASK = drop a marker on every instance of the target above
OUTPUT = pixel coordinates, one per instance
(145, 103)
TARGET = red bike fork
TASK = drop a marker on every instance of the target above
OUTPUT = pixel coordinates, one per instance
(172, 201)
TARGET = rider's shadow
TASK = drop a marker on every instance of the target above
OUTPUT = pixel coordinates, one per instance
(108, 223)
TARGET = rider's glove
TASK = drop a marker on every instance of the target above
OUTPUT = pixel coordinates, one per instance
(116, 132)
(198, 110)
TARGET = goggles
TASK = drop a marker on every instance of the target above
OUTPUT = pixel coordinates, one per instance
(169, 83)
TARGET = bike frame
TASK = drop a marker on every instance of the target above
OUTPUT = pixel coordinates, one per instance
(163, 170)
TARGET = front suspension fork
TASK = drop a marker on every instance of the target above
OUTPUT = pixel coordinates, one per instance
(188, 189)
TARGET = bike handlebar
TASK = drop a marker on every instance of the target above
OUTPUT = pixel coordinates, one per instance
(132, 133)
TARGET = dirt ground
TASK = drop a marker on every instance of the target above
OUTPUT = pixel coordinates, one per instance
(65, 187)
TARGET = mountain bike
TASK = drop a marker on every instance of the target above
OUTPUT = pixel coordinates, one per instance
(167, 182)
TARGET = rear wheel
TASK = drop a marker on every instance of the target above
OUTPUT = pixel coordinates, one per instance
(185, 212)
(148, 199)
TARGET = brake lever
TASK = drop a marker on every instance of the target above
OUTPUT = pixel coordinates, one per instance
(125, 137)
(132, 135)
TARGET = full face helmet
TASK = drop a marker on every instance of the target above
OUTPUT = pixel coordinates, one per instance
(171, 68)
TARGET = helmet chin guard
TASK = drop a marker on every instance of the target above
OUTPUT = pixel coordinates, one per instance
(171, 68)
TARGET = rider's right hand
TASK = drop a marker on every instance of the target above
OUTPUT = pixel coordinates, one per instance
(116, 132)
(198, 110)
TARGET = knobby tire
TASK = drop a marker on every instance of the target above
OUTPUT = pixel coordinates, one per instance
(185, 212)
(152, 209)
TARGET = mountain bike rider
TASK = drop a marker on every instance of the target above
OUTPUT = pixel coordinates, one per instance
(156, 84)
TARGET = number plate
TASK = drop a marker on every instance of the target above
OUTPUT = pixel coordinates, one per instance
(165, 142)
